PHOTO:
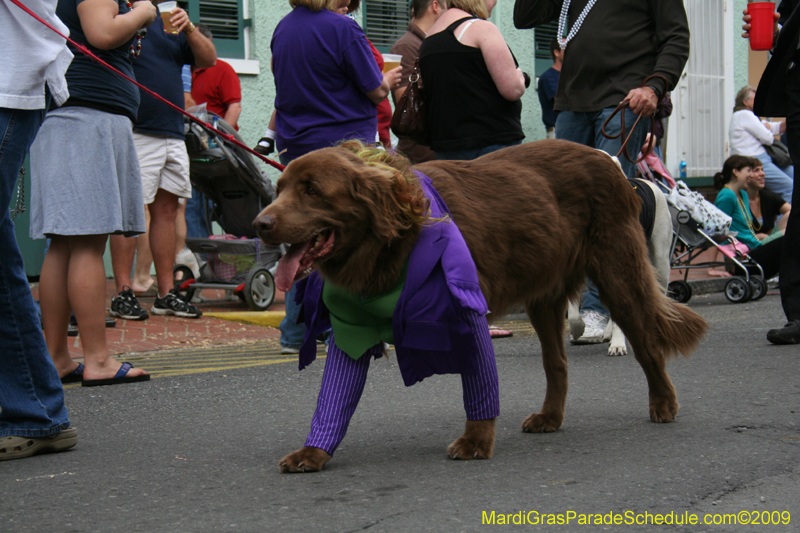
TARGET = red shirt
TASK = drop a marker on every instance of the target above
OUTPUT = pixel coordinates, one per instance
(384, 108)
(218, 87)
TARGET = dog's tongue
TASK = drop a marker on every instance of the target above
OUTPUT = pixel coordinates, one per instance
(289, 265)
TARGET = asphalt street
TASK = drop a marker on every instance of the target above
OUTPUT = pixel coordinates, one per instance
(198, 451)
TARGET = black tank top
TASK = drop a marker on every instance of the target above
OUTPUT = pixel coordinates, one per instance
(465, 109)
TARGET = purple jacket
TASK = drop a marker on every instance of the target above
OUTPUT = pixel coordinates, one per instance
(431, 334)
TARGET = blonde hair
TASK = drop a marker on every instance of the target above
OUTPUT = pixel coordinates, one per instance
(476, 7)
(315, 5)
(408, 200)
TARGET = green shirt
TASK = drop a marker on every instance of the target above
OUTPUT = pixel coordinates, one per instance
(359, 322)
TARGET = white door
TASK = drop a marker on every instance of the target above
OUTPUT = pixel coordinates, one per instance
(703, 100)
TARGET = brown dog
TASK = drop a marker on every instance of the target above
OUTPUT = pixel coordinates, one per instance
(537, 218)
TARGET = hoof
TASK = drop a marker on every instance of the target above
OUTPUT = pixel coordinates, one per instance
(307, 459)
(663, 411)
(576, 327)
(477, 442)
(539, 423)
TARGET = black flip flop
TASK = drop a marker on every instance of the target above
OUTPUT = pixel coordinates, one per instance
(75, 376)
(119, 378)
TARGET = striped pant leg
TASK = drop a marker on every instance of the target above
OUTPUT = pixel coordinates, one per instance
(481, 390)
(342, 385)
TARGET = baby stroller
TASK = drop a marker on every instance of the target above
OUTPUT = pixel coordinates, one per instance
(690, 240)
(229, 177)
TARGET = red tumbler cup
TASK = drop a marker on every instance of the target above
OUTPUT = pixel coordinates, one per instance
(762, 23)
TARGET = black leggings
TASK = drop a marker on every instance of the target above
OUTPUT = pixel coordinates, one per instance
(768, 256)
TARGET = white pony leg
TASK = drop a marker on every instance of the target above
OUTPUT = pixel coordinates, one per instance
(659, 247)
(618, 345)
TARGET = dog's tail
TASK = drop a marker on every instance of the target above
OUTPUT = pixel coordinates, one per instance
(679, 330)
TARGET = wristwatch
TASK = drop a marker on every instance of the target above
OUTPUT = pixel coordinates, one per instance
(656, 91)
(188, 29)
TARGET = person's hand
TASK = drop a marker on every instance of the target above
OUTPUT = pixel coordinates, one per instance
(746, 18)
(394, 77)
(179, 19)
(649, 144)
(526, 77)
(146, 8)
(642, 101)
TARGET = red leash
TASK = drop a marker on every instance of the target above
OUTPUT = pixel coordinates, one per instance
(230, 138)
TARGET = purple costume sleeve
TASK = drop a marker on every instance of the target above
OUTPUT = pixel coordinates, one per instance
(481, 390)
(343, 383)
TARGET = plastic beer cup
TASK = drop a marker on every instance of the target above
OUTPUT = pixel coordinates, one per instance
(391, 61)
(166, 12)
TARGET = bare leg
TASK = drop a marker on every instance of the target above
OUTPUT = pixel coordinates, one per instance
(122, 251)
(144, 259)
(55, 303)
(76, 278)
(163, 212)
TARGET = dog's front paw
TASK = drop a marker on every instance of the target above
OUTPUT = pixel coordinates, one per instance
(477, 442)
(306, 459)
(617, 349)
(540, 423)
(663, 410)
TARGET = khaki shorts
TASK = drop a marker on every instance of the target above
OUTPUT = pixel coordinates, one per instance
(164, 164)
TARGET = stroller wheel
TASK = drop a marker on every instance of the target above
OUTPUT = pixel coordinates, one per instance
(680, 291)
(738, 290)
(180, 273)
(759, 287)
(259, 289)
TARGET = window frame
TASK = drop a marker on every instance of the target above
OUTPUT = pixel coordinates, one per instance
(226, 48)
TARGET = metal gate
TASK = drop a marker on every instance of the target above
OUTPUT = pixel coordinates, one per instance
(703, 100)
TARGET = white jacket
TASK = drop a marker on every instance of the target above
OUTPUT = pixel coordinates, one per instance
(748, 134)
(32, 54)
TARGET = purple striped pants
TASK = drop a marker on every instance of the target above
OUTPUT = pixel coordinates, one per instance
(343, 383)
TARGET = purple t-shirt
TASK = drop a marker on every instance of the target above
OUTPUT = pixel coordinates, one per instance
(323, 67)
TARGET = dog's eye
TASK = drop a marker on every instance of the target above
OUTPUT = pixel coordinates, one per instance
(310, 190)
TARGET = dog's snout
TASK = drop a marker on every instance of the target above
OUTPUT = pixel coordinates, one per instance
(263, 223)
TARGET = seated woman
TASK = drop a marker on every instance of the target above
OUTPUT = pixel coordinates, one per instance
(749, 135)
(472, 84)
(734, 202)
(765, 205)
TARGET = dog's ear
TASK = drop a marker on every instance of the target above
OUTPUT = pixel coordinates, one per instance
(395, 201)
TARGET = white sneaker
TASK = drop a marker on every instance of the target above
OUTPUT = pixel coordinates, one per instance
(595, 330)
(186, 257)
(289, 350)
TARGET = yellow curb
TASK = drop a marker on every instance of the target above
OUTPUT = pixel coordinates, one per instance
(255, 318)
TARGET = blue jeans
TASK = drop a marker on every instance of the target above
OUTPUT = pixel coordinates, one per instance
(31, 395)
(586, 128)
(292, 333)
(196, 227)
(474, 153)
(780, 181)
